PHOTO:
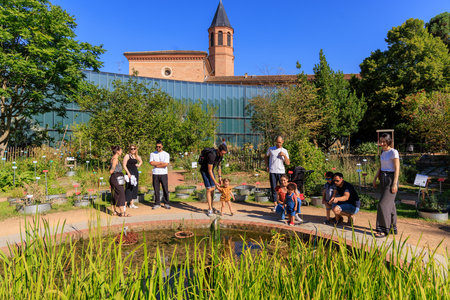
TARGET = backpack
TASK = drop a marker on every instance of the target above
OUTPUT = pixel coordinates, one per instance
(205, 152)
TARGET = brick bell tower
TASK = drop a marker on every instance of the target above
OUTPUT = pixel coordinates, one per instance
(221, 57)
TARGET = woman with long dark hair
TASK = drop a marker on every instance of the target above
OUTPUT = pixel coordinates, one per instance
(117, 181)
(388, 174)
(131, 162)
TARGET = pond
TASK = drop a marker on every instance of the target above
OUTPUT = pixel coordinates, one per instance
(227, 241)
(229, 264)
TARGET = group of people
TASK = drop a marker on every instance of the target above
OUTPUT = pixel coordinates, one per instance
(125, 196)
(339, 196)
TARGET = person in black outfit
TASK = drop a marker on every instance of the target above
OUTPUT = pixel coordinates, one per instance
(212, 158)
(131, 162)
(116, 182)
(345, 200)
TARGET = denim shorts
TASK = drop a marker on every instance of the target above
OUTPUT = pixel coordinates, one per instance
(347, 208)
(290, 209)
(207, 180)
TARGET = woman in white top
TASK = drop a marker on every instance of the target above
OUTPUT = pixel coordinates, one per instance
(388, 174)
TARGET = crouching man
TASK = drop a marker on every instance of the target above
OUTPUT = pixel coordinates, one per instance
(345, 200)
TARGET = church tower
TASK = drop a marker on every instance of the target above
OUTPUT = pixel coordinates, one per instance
(221, 57)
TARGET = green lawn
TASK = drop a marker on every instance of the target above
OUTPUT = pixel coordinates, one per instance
(7, 211)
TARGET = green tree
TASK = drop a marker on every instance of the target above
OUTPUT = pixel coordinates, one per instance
(303, 153)
(342, 109)
(133, 113)
(288, 111)
(429, 118)
(414, 61)
(439, 26)
(41, 61)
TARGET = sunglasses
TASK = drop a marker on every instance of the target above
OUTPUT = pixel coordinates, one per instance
(337, 180)
(158, 146)
(328, 178)
(132, 148)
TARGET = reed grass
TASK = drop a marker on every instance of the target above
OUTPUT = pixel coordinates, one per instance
(50, 266)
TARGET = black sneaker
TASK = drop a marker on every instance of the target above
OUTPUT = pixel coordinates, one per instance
(328, 222)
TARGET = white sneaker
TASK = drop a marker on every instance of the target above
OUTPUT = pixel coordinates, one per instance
(133, 206)
(298, 218)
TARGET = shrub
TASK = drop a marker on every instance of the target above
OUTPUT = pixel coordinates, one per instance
(305, 154)
(366, 148)
(367, 201)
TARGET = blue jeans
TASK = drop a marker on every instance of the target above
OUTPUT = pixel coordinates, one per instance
(274, 181)
(299, 205)
(347, 208)
(280, 210)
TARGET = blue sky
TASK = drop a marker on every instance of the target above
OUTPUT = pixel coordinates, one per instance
(270, 36)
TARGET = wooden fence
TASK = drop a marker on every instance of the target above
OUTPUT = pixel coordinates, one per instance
(247, 160)
(17, 153)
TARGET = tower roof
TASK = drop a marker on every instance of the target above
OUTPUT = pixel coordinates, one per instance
(220, 18)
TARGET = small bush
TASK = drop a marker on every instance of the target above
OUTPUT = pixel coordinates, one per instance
(305, 154)
(367, 201)
(366, 148)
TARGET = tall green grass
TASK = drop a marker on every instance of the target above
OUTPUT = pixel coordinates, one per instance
(49, 266)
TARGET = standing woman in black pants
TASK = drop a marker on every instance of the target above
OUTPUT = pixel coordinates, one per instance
(131, 162)
(117, 181)
(388, 174)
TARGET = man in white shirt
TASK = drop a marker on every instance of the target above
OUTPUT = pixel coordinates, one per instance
(160, 160)
(276, 157)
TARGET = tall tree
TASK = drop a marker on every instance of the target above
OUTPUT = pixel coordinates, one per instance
(41, 62)
(439, 26)
(288, 111)
(414, 61)
(429, 118)
(133, 113)
(342, 109)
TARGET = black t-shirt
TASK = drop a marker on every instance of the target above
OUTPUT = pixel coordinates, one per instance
(353, 199)
(211, 159)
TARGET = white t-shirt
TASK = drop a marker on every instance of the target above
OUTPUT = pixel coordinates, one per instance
(387, 160)
(276, 162)
(162, 156)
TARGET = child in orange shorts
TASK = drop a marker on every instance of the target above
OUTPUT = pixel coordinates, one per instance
(226, 195)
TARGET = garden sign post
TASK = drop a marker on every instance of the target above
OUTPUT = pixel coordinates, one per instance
(194, 166)
(46, 186)
(34, 162)
(14, 176)
(359, 175)
(365, 171)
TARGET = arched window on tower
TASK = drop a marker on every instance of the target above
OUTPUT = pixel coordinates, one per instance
(212, 39)
(220, 38)
(228, 39)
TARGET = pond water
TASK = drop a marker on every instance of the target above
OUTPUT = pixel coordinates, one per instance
(234, 241)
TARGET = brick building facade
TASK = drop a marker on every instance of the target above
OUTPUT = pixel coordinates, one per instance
(217, 66)
(190, 65)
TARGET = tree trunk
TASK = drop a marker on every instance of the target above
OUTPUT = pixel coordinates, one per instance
(3, 146)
